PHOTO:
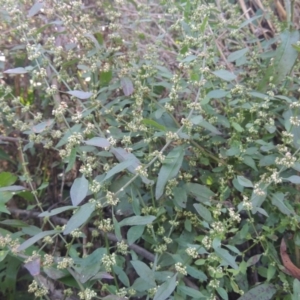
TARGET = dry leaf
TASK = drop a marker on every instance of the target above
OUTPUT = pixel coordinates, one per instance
(288, 264)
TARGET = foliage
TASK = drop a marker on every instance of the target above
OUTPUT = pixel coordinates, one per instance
(150, 151)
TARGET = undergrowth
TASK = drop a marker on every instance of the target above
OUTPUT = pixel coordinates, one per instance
(150, 150)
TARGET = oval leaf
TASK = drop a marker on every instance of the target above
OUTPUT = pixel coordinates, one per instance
(80, 217)
(293, 179)
(166, 289)
(200, 192)
(36, 238)
(137, 220)
(203, 212)
(16, 71)
(217, 94)
(134, 233)
(79, 190)
(12, 188)
(169, 169)
(243, 181)
(42, 126)
(237, 54)
(225, 75)
(122, 155)
(260, 292)
(227, 257)
(143, 271)
(98, 142)
(55, 211)
(190, 292)
(127, 86)
(34, 267)
(35, 9)
(284, 60)
(80, 94)
(119, 168)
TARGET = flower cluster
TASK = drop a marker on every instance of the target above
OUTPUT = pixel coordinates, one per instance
(108, 261)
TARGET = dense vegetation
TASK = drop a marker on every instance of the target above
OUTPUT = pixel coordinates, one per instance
(149, 150)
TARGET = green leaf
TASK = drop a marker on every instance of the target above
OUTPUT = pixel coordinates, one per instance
(35, 9)
(80, 94)
(14, 223)
(72, 159)
(3, 208)
(127, 86)
(258, 200)
(253, 260)
(267, 160)
(217, 94)
(195, 273)
(189, 58)
(244, 181)
(5, 196)
(105, 78)
(296, 290)
(98, 142)
(201, 192)
(36, 238)
(119, 168)
(222, 293)
(293, 179)
(122, 156)
(64, 140)
(93, 39)
(5, 156)
(203, 212)
(166, 289)
(169, 169)
(190, 292)
(113, 297)
(141, 285)
(117, 228)
(271, 272)
(237, 185)
(204, 23)
(278, 201)
(80, 217)
(121, 275)
(225, 75)
(137, 220)
(7, 178)
(12, 188)
(79, 190)
(227, 257)
(237, 127)
(284, 60)
(152, 123)
(233, 249)
(209, 127)
(180, 197)
(42, 126)
(196, 119)
(249, 161)
(143, 271)
(249, 21)
(56, 211)
(134, 233)
(237, 54)
(9, 270)
(3, 254)
(18, 70)
(261, 292)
